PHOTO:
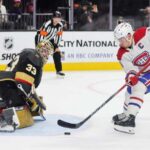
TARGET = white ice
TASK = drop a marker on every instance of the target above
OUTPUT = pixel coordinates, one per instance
(74, 98)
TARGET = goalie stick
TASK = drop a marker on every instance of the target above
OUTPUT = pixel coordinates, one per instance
(36, 98)
(77, 125)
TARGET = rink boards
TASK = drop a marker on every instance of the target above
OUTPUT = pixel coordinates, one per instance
(80, 50)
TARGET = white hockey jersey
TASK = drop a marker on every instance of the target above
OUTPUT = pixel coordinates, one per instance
(136, 57)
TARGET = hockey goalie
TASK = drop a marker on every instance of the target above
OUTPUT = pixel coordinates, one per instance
(18, 99)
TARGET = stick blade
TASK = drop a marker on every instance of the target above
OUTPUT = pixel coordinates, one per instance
(67, 124)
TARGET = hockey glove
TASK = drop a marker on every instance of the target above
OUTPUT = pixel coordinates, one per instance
(131, 78)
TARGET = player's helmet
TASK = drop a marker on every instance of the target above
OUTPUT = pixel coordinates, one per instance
(57, 14)
(122, 30)
(45, 48)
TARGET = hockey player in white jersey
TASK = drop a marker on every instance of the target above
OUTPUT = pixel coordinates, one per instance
(133, 55)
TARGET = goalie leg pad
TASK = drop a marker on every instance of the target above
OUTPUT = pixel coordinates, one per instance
(8, 120)
(15, 117)
(24, 116)
(32, 104)
(36, 110)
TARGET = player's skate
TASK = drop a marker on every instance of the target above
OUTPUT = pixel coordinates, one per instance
(60, 74)
(126, 125)
(8, 120)
(118, 117)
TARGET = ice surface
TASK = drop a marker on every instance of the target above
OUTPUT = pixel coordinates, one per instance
(72, 99)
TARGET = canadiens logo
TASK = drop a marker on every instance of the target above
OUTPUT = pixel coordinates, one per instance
(141, 59)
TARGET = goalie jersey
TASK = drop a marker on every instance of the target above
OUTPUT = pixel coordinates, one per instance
(138, 55)
(27, 67)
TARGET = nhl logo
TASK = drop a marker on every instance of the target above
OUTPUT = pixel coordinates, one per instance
(8, 43)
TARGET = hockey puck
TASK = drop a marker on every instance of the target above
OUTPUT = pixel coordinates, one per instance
(67, 133)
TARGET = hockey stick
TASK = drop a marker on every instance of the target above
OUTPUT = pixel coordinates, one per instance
(77, 125)
(30, 95)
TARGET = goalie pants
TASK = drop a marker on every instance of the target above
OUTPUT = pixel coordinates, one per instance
(11, 95)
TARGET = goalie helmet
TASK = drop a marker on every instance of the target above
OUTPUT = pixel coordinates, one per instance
(122, 30)
(45, 48)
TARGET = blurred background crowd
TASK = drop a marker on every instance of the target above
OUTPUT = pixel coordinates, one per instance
(80, 15)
